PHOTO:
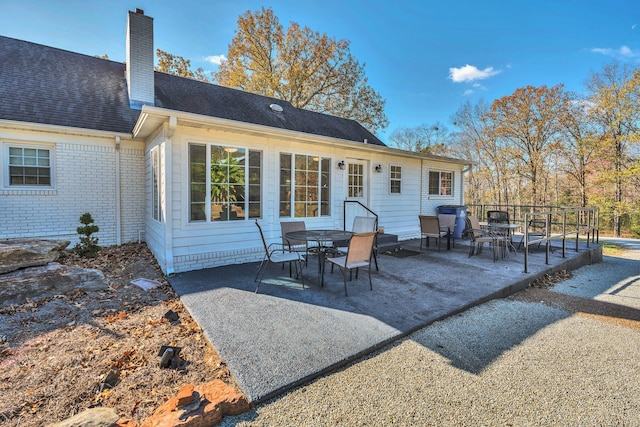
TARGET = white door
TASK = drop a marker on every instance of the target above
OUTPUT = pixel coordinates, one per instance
(357, 189)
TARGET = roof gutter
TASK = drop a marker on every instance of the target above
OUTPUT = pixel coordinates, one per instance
(39, 127)
(149, 111)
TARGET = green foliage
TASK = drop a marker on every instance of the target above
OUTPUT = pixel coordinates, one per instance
(88, 245)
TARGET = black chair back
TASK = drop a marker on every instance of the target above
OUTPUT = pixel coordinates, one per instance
(498, 216)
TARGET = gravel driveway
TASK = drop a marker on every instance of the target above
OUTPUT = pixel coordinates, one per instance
(566, 356)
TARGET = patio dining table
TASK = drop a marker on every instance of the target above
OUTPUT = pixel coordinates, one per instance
(500, 226)
(325, 240)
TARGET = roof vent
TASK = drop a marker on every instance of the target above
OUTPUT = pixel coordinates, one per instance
(276, 108)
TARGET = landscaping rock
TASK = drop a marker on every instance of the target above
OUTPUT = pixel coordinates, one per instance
(94, 417)
(21, 253)
(217, 399)
(43, 282)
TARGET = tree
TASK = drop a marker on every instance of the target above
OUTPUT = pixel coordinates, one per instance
(491, 179)
(580, 142)
(430, 139)
(178, 66)
(615, 96)
(528, 121)
(308, 69)
(88, 244)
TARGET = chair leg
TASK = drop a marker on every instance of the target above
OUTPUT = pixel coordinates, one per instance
(370, 283)
(344, 279)
(375, 258)
(260, 268)
(299, 274)
(262, 276)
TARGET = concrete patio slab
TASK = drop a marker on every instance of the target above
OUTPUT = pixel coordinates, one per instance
(283, 336)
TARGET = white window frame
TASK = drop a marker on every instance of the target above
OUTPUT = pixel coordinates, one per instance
(7, 145)
(439, 193)
(157, 196)
(248, 185)
(291, 186)
(393, 179)
(356, 176)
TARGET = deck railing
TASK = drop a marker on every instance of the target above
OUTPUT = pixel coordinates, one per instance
(561, 223)
(362, 206)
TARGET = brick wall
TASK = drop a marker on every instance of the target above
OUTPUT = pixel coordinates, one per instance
(132, 187)
(84, 181)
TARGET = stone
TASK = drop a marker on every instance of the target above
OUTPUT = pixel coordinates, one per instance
(47, 281)
(21, 253)
(126, 422)
(94, 417)
(217, 399)
(185, 395)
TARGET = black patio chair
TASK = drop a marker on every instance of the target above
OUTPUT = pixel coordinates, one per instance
(277, 253)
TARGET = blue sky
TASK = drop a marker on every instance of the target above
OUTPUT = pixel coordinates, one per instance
(426, 58)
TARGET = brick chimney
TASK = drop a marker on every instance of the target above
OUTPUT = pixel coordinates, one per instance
(140, 59)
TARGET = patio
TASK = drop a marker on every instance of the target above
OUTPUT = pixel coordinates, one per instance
(284, 335)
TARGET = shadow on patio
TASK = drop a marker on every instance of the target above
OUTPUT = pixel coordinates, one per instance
(284, 335)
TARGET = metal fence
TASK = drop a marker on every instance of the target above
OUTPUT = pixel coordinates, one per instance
(541, 224)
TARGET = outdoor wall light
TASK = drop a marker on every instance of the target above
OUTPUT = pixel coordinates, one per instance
(341, 165)
(378, 168)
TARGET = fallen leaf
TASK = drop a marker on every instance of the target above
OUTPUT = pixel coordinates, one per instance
(120, 316)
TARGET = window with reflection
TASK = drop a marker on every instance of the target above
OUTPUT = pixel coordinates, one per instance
(224, 183)
(156, 184)
(441, 183)
(29, 166)
(356, 180)
(395, 179)
(305, 185)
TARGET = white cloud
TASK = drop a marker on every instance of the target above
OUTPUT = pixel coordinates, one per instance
(633, 27)
(623, 52)
(470, 73)
(468, 92)
(215, 59)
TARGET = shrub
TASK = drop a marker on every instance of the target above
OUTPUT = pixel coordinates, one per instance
(88, 245)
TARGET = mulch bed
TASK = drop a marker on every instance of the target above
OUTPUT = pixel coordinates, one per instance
(100, 348)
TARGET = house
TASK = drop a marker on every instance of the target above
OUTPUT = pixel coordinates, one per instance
(188, 166)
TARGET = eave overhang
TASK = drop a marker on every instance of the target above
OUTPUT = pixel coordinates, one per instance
(152, 118)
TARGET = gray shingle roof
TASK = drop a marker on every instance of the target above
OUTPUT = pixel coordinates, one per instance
(46, 85)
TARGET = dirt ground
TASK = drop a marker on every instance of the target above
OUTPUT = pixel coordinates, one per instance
(62, 355)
